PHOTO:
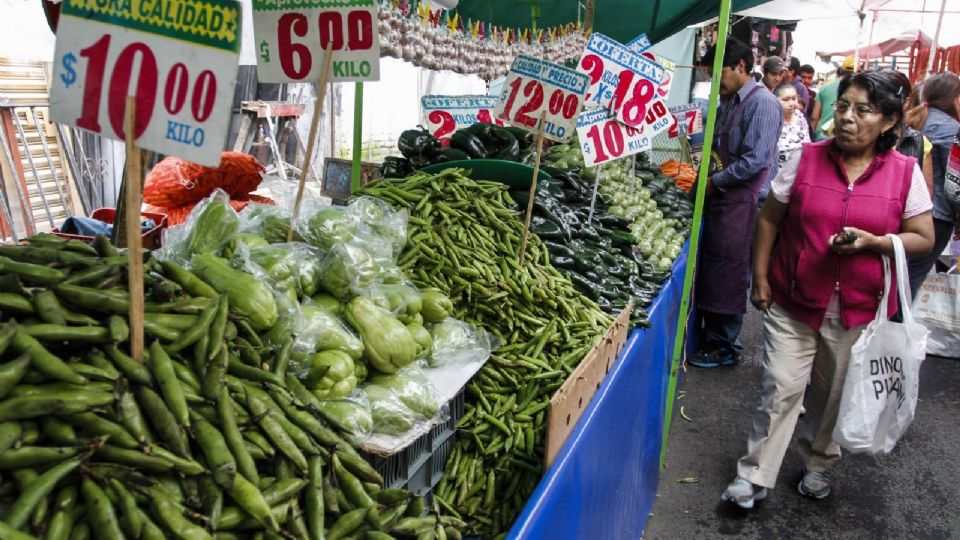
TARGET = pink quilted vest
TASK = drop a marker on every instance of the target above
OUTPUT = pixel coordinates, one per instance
(803, 269)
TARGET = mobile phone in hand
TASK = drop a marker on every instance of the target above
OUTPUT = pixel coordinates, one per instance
(845, 237)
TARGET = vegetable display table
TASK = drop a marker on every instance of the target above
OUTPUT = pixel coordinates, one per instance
(604, 481)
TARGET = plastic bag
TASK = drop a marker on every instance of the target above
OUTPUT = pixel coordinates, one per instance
(327, 226)
(210, 226)
(402, 299)
(390, 415)
(456, 342)
(327, 331)
(413, 388)
(295, 264)
(382, 220)
(937, 307)
(881, 386)
(351, 414)
(269, 221)
(329, 374)
(347, 271)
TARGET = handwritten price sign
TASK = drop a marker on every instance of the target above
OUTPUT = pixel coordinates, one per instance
(689, 120)
(640, 44)
(446, 114)
(292, 35)
(612, 66)
(534, 86)
(179, 60)
(602, 138)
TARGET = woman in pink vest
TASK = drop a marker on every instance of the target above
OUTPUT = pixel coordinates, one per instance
(818, 275)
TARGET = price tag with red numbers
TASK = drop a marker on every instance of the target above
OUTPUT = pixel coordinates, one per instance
(640, 44)
(446, 114)
(689, 120)
(619, 75)
(292, 35)
(179, 60)
(535, 86)
(602, 138)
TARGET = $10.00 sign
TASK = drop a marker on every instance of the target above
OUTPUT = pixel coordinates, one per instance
(292, 35)
(535, 86)
(602, 138)
(178, 58)
(446, 114)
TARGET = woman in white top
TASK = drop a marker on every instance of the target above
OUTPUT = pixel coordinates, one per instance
(796, 131)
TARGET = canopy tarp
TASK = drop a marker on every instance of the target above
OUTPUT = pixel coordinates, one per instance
(795, 10)
(621, 20)
(899, 43)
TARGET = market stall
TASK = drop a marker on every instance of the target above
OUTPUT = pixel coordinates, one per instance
(405, 364)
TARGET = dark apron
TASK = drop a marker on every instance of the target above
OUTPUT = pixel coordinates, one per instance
(723, 277)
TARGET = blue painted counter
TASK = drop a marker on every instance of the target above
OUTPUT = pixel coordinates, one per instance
(604, 481)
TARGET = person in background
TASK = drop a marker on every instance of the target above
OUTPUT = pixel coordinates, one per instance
(912, 142)
(823, 104)
(818, 277)
(795, 132)
(748, 127)
(773, 72)
(807, 73)
(792, 76)
(937, 117)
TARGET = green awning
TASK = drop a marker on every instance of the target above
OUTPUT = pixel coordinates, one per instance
(622, 20)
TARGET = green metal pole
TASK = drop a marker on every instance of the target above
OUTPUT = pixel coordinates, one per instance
(680, 339)
(357, 137)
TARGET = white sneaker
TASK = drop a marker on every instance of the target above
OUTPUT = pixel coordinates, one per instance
(742, 493)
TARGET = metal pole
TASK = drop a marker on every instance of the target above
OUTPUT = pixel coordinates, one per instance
(357, 137)
(33, 167)
(856, 51)
(936, 38)
(46, 153)
(680, 339)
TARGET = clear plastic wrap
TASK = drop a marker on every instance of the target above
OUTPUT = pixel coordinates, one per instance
(382, 220)
(210, 226)
(295, 265)
(348, 270)
(413, 388)
(456, 342)
(329, 374)
(350, 414)
(402, 299)
(390, 415)
(326, 331)
(326, 226)
(269, 221)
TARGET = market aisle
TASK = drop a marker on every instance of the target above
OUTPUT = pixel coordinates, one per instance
(912, 493)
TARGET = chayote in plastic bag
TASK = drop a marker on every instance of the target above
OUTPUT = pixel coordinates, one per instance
(423, 338)
(328, 226)
(456, 342)
(390, 415)
(330, 375)
(351, 414)
(347, 270)
(328, 302)
(435, 306)
(401, 299)
(382, 220)
(413, 389)
(386, 341)
(295, 264)
(327, 331)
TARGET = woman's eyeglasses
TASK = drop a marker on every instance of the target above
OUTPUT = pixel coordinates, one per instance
(862, 109)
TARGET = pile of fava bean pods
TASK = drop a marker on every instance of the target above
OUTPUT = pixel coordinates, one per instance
(464, 239)
(207, 437)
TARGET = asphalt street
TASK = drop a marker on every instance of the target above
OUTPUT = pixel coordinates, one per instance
(912, 493)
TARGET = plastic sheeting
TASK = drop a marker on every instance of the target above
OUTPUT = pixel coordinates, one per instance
(604, 481)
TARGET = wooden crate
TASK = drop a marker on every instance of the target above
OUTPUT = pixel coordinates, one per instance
(571, 399)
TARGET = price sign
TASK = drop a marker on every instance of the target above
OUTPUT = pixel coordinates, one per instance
(292, 35)
(446, 114)
(177, 58)
(640, 44)
(689, 120)
(534, 86)
(602, 138)
(606, 62)
(496, 86)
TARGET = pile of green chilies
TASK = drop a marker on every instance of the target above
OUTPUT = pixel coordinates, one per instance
(464, 239)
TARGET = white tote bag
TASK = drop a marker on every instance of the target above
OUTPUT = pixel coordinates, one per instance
(880, 389)
(937, 307)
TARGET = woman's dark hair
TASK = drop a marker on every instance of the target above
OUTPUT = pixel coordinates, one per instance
(939, 92)
(886, 94)
(735, 52)
(783, 86)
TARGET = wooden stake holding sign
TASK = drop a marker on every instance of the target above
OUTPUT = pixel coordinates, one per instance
(551, 98)
(533, 189)
(312, 136)
(133, 195)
